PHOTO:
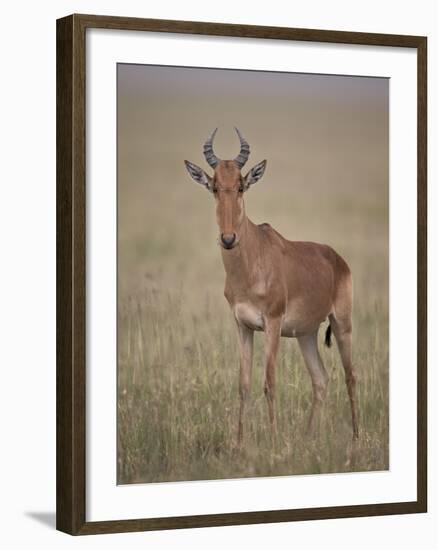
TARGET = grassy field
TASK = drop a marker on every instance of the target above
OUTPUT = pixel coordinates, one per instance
(326, 141)
(178, 353)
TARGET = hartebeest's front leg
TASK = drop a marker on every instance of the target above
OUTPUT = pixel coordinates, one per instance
(309, 349)
(272, 343)
(246, 339)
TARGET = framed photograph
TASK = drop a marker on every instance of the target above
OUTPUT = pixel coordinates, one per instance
(241, 274)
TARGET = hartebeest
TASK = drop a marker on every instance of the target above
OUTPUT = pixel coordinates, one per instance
(284, 288)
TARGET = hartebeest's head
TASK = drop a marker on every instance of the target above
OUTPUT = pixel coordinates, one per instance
(227, 185)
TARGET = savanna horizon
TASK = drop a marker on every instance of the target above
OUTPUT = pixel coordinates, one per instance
(178, 371)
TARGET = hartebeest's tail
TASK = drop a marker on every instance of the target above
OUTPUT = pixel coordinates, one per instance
(328, 337)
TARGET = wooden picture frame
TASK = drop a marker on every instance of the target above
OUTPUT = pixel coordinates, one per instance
(71, 273)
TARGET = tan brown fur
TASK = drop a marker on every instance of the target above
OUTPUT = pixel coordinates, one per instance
(281, 287)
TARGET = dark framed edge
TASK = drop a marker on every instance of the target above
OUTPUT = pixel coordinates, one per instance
(71, 265)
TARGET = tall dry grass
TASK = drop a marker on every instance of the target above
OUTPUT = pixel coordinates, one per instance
(177, 344)
(178, 354)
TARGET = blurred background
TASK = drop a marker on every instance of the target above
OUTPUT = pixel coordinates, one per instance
(326, 142)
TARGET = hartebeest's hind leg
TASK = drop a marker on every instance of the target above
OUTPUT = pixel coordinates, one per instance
(246, 339)
(343, 333)
(309, 348)
(272, 343)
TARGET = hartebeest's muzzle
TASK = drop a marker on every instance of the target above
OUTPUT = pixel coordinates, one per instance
(228, 240)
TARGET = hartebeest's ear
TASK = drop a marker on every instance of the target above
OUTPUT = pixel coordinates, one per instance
(254, 174)
(199, 175)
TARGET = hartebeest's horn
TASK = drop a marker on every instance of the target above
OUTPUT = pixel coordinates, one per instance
(242, 157)
(210, 157)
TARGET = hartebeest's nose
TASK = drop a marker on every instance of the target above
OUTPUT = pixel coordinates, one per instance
(228, 239)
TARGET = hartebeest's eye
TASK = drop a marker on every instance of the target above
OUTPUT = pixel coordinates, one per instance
(214, 190)
(241, 188)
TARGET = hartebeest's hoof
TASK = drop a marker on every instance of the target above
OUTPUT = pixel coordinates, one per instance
(311, 431)
(238, 449)
(352, 451)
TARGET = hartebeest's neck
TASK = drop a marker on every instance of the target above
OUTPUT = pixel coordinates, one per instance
(241, 263)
